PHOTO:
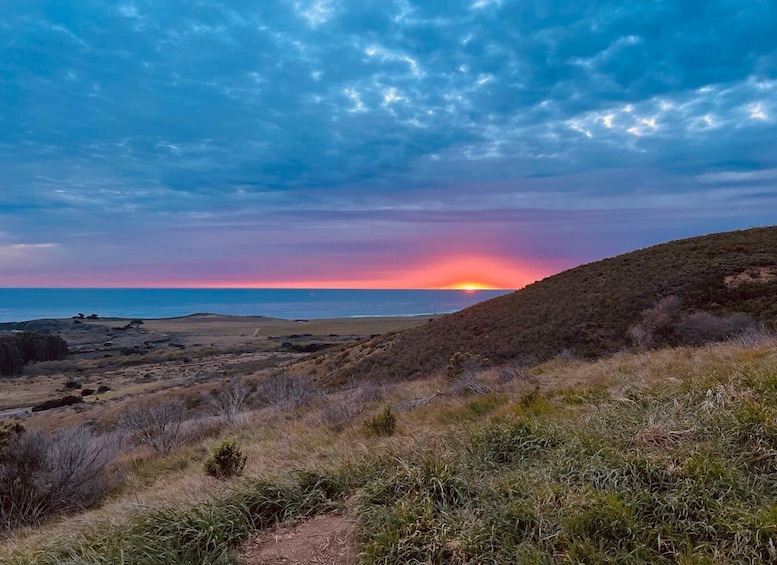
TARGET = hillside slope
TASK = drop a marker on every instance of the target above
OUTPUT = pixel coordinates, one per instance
(586, 310)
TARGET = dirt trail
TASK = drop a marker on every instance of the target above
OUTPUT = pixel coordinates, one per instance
(325, 540)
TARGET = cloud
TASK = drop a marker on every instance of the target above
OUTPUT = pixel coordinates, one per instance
(123, 123)
(24, 258)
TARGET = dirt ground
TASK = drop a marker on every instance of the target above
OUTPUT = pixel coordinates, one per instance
(324, 540)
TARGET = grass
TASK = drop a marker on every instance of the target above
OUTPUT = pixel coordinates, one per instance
(668, 457)
(532, 489)
(205, 533)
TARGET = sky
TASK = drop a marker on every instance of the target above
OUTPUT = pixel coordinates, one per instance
(374, 144)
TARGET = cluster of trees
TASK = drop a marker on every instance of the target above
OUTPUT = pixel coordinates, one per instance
(18, 349)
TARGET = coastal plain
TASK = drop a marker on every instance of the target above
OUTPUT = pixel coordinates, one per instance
(168, 356)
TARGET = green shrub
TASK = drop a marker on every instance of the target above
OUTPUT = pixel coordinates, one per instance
(227, 460)
(464, 365)
(8, 432)
(383, 424)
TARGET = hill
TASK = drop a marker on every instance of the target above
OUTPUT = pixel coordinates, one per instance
(587, 311)
(659, 458)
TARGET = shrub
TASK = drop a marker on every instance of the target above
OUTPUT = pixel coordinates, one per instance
(464, 365)
(56, 403)
(288, 391)
(383, 424)
(226, 460)
(462, 373)
(666, 325)
(43, 475)
(8, 432)
(702, 327)
(158, 425)
(229, 402)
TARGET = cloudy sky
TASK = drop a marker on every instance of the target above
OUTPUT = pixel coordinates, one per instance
(366, 143)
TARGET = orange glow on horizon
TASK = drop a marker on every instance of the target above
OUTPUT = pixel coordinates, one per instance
(465, 273)
(469, 274)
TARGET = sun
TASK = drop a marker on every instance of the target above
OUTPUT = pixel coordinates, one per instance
(470, 286)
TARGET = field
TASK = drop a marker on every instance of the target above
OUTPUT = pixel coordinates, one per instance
(659, 457)
(174, 356)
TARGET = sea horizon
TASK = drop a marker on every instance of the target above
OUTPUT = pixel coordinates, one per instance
(24, 304)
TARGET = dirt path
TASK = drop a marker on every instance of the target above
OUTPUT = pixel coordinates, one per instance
(325, 540)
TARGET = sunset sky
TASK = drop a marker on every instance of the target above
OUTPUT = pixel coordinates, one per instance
(374, 144)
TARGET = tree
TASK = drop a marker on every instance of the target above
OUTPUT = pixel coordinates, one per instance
(20, 348)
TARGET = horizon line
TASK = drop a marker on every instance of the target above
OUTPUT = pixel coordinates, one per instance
(239, 287)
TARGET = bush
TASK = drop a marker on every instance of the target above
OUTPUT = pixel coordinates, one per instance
(462, 374)
(56, 403)
(158, 425)
(8, 432)
(226, 460)
(288, 391)
(383, 424)
(464, 365)
(702, 327)
(666, 325)
(229, 402)
(44, 475)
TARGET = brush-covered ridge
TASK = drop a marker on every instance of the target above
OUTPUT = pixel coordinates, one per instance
(585, 311)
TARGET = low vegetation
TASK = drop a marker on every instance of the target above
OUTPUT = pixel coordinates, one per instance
(43, 475)
(226, 461)
(383, 424)
(660, 457)
(159, 425)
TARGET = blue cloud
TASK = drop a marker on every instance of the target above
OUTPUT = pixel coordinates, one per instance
(117, 117)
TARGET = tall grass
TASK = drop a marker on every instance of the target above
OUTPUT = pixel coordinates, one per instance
(677, 469)
(206, 533)
(684, 476)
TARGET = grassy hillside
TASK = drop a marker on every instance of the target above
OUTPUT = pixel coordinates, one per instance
(667, 457)
(585, 311)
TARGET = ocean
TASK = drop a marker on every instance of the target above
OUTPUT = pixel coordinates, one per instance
(22, 304)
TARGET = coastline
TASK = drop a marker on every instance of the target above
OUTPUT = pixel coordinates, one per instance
(289, 304)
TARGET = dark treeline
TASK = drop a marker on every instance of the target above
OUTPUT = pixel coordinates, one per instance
(18, 349)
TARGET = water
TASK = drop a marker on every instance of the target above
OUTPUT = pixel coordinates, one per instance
(22, 304)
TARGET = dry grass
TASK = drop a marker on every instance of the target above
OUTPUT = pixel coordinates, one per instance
(279, 442)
